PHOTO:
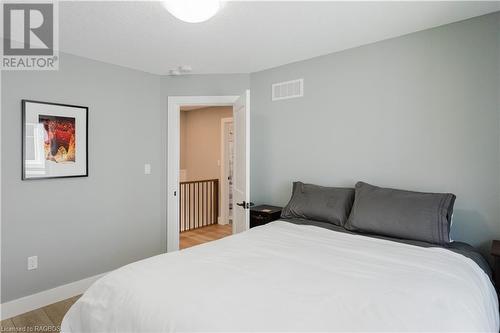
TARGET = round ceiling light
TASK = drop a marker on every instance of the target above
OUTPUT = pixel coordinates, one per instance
(192, 11)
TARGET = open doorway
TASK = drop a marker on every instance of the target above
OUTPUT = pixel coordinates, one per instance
(205, 175)
(236, 197)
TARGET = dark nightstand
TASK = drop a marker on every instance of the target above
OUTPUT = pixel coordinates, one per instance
(495, 252)
(262, 214)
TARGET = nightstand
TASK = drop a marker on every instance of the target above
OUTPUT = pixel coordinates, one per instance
(495, 252)
(262, 214)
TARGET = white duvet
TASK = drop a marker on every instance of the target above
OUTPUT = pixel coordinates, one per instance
(287, 277)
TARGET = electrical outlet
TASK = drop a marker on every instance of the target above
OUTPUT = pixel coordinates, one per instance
(32, 262)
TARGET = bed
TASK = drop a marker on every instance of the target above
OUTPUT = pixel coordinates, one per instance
(295, 275)
(290, 277)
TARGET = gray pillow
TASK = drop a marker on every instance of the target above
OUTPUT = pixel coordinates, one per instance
(402, 214)
(319, 203)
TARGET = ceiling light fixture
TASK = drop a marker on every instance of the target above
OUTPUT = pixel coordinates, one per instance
(192, 11)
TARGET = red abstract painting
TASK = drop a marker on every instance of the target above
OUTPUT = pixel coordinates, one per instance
(59, 138)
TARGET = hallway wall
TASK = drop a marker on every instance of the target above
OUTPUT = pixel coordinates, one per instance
(200, 141)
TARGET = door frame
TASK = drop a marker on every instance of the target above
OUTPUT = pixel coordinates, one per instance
(173, 156)
(224, 203)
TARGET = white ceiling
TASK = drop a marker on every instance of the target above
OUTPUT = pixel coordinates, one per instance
(244, 36)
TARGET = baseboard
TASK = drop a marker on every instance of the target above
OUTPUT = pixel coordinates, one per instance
(28, 303)
(222, 221)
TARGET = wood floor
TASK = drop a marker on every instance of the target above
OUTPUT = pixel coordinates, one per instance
(203, 235)
(46, 319)
(49, 318)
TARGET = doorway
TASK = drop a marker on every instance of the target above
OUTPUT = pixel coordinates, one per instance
(205, 173)
(241, 188)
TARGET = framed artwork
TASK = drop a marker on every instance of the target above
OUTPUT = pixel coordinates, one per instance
(55, 140)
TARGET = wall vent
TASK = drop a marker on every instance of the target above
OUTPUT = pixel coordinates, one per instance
(288, 89)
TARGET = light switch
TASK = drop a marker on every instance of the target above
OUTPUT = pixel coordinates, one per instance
(147, 169)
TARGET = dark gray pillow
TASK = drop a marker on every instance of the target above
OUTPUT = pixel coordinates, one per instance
(402, 214)
(319, 203)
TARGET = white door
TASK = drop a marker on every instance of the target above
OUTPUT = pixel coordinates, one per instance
(241, 181)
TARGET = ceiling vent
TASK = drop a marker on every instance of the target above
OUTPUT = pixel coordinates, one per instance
(288, 89)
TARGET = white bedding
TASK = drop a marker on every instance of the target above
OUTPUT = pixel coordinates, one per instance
(287, 277)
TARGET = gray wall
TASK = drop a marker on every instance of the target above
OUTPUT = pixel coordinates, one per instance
(205, 85)
(418, 112)
(80, 227)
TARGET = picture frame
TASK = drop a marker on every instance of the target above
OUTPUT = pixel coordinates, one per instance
(54, 140)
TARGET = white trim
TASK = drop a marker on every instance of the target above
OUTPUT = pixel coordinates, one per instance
(173, 158)
(247, 154)
(224, 203)
(32, 302)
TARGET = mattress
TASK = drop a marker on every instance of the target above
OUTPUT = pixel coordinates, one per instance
(290, 277)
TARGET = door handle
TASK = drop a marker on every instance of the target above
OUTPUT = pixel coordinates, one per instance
(245, 205)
